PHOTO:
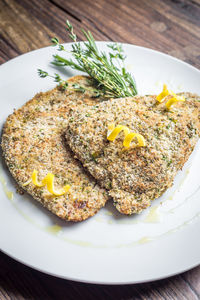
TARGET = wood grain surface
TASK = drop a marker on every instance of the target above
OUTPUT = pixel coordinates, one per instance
(171, 26)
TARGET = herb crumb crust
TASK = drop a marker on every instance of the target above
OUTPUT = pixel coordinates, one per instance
(136, 176)
(33, 139)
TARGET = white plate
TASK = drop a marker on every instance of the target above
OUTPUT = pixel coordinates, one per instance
(108, 248)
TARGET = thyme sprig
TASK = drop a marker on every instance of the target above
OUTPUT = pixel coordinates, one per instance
(95, 93)
(56, 78)
(107, 70)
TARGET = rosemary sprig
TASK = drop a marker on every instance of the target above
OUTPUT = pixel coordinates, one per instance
(107, 71)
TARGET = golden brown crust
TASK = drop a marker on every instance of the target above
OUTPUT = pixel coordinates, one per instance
(141, 174)
(33, 139)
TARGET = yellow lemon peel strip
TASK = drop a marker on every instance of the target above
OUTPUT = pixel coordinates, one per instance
(35, 180)
(115, 131)
(161, 97)
(128, 139)
(129, 136)
(174, 100)
(48, 181)
(165, 92)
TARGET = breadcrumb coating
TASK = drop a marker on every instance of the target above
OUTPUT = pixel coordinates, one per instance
(138, 175)
(33, 139)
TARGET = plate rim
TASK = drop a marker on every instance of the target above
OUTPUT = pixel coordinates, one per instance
(105, 42)
(82, 280)
(96, 282)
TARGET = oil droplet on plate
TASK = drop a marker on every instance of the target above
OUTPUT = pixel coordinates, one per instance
(109, 213)
(144, 240)
(8, 193)
(99, 219)
(153, 215)
(110, 222)
(53, 229)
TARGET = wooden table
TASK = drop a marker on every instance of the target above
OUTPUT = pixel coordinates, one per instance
(169, 26)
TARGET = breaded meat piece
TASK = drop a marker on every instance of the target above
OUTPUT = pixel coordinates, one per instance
(138, 175)
(33, 139)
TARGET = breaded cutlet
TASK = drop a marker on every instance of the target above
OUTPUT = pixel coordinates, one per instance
(33, 139)
(138, 175)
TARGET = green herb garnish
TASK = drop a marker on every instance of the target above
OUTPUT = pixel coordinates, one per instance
(111, 79)
(65, 86)
(56, 78)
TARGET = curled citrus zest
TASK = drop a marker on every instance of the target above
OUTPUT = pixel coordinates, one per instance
(48, 181)
(115, 131)
(35, 180)
(174, 100)
(165, 92)
(129, 136)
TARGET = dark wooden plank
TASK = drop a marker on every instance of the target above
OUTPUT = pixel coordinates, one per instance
(19, 282)
(6, 50)
(54, 17)
(36, 23)
(3, 57)
(169, 26)
(193, 279)
(22, 33)
(153, 24)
